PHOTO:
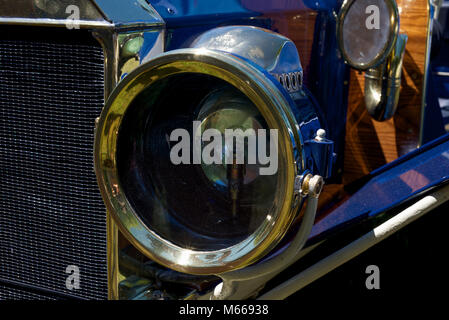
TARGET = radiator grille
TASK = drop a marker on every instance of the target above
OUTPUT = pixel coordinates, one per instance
(14, 293)
(51, 212)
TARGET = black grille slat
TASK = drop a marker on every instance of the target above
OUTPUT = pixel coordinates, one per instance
(51, 212)
(14, 293)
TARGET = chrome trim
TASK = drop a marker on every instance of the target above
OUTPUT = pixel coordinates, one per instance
(394, 31)
(442, 74)
(292, 81)
(383, 84)
(113, 258)
(274, 107)
(108, 41)
(271, 51)
(49, 9)
(50, 12)
(55, 22)
(112, 42)
(138, 13)
(145, 45)
(93, 13)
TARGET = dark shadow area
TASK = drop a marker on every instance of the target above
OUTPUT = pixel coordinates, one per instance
(411, 263)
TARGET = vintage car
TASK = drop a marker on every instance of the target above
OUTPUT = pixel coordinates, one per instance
(197, 149)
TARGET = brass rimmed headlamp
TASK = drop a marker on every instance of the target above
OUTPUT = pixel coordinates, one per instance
(195, 217)
(367, 31)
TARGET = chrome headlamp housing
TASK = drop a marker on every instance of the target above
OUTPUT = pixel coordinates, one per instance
(197, 218)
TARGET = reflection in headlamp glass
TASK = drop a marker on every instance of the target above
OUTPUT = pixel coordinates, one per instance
(196, 206)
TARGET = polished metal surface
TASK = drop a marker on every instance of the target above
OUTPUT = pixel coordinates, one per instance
(129, 13)
(49, 9)
(136, 48)
(92, 14)
(51, 12)
(291, 81)
(271, 51)
(125, 50)
(120, 59)
(383, 84)
(274, 107)
(363, 43)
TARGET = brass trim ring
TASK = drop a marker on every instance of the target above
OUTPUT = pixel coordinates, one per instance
(273, 105)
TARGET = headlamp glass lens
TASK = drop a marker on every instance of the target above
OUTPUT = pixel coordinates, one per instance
(366, 30)
(212, 203)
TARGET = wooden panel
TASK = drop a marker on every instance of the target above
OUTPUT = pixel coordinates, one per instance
(370, 144)
(293, 19)
(299, 26)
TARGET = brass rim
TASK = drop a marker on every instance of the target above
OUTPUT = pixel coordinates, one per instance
(272, 103)
(381, 56)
